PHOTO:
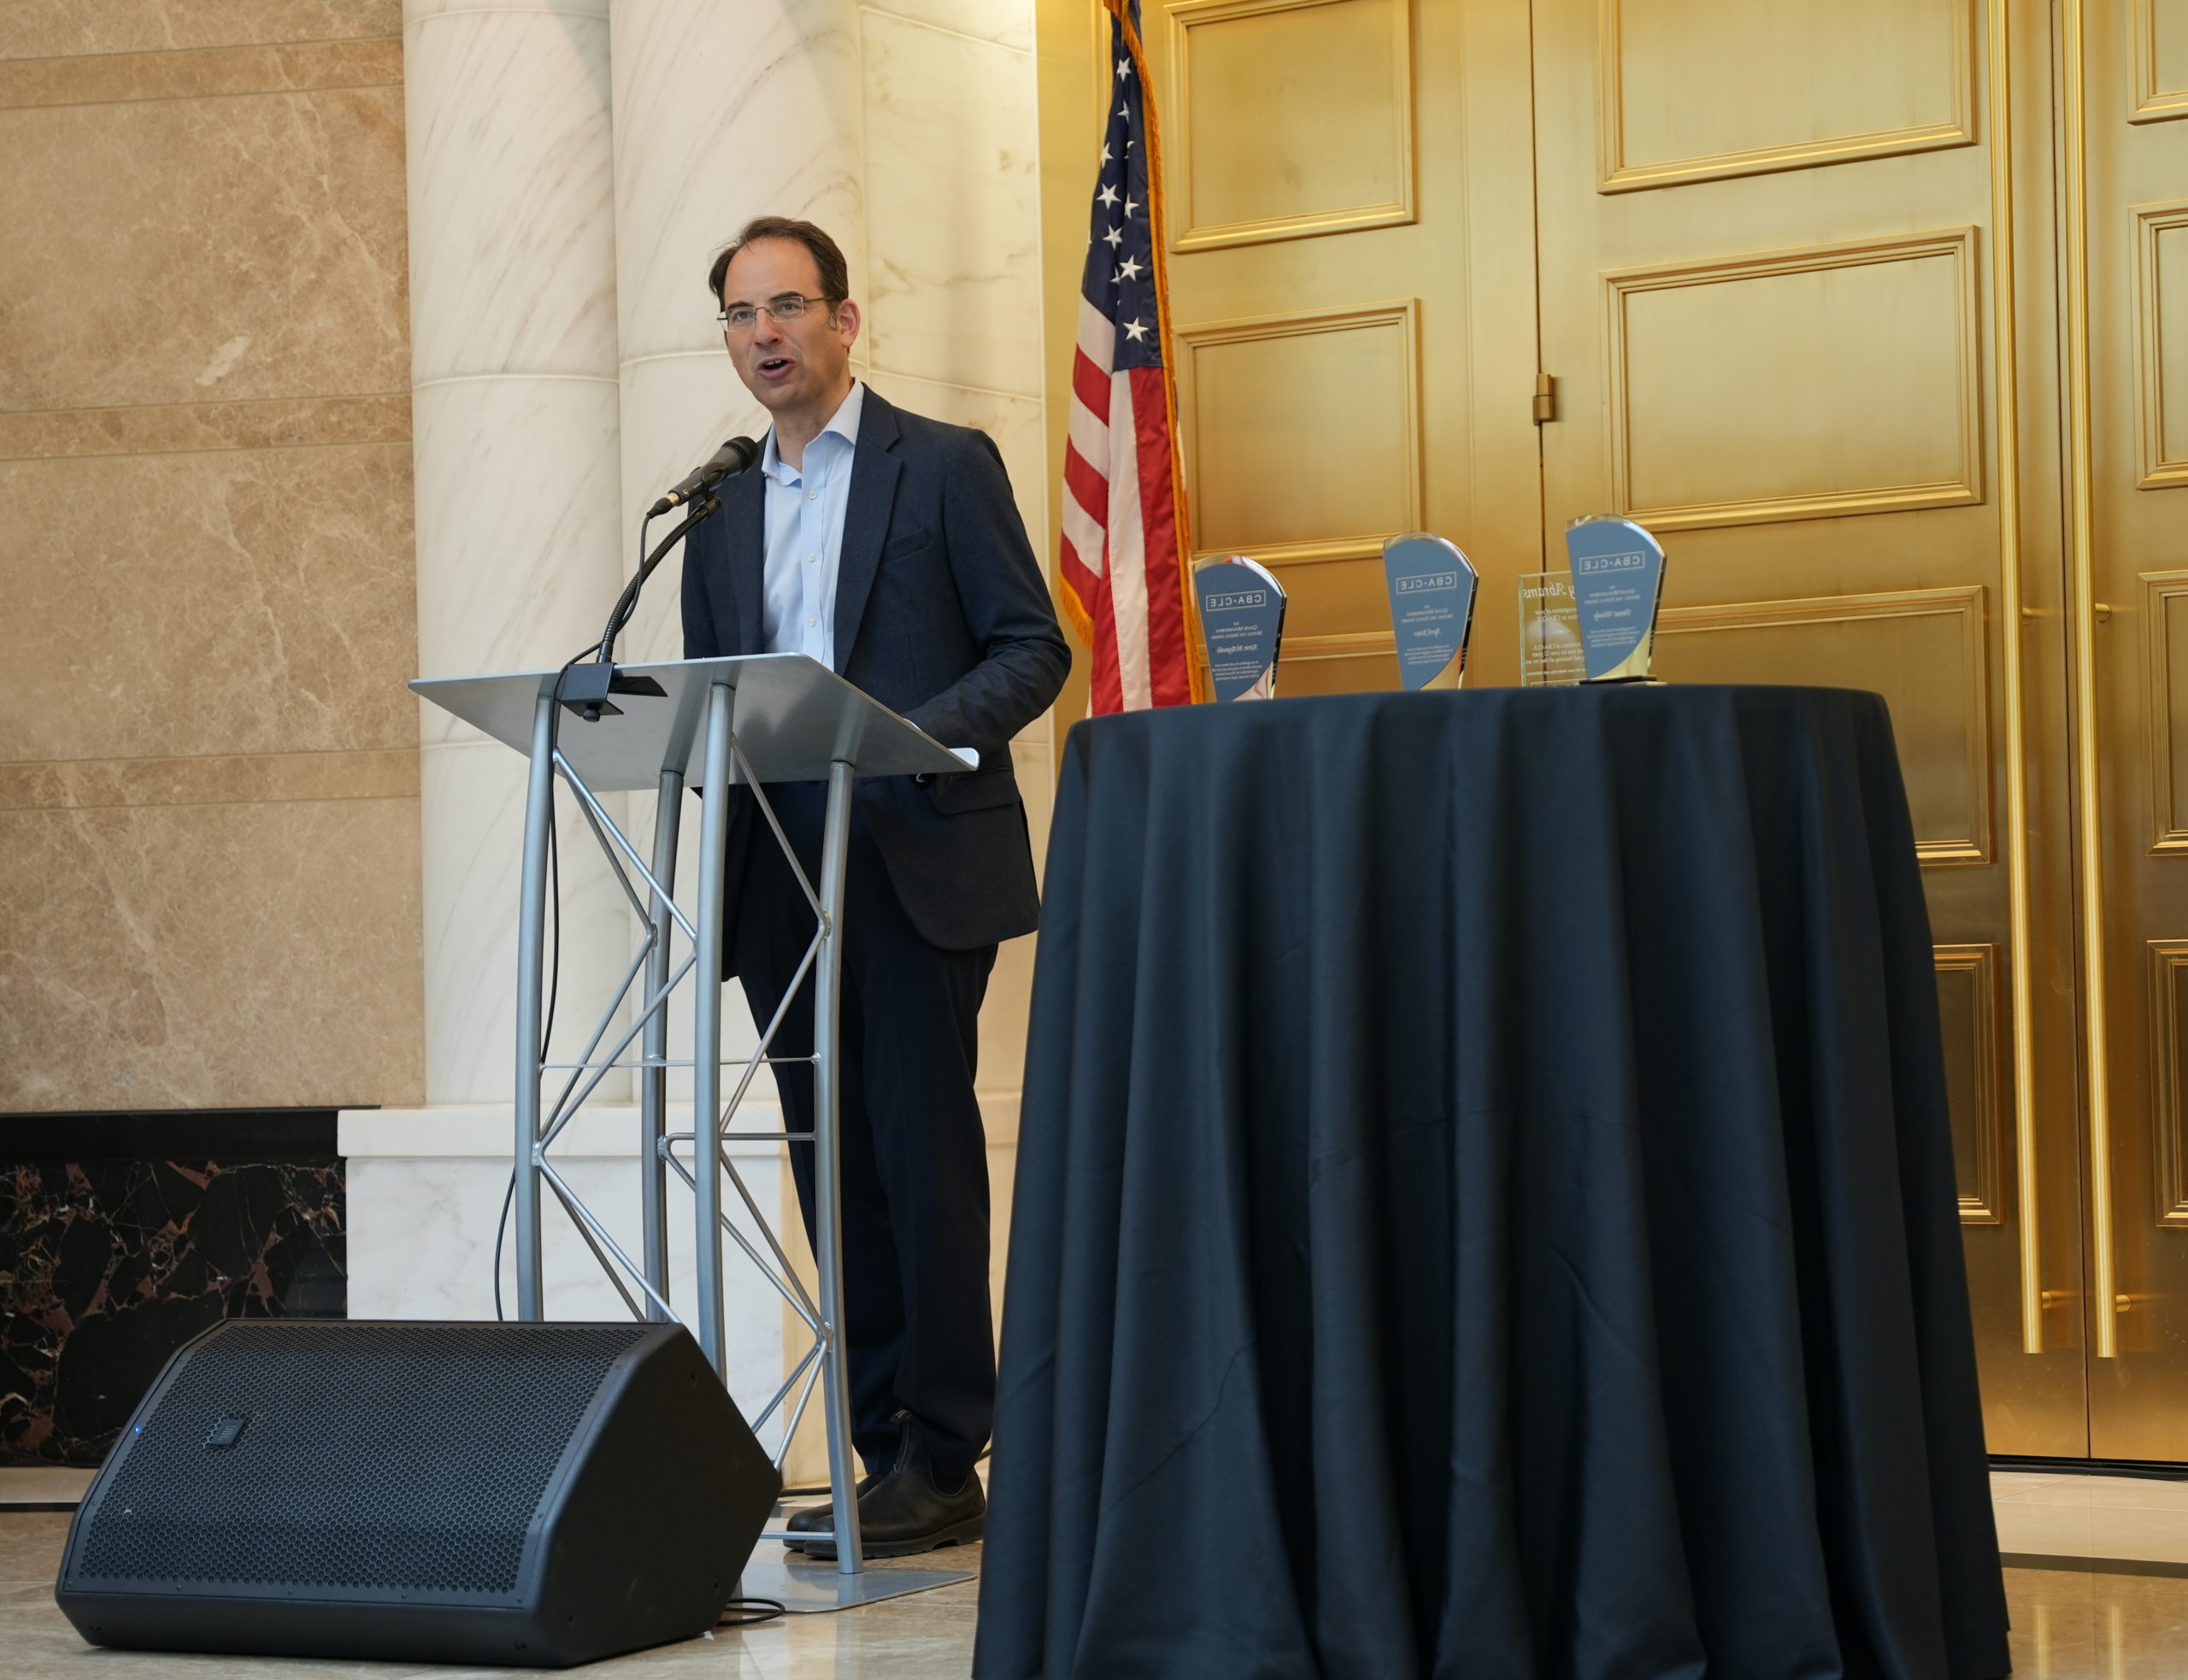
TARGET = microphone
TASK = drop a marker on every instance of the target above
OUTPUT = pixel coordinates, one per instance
(731, 459)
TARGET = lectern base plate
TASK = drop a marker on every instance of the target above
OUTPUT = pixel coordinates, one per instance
(809, 1589)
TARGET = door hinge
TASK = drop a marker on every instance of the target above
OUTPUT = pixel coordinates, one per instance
(1545, 399)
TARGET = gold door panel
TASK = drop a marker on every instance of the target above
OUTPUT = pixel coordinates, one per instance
(1331, 149)
(1864, 78)
(2159, 50)
(2168, 997)
(1872, 405)
(1969, 1005)
(2161, 343)
(1922, 649)
(1356, 663)
(2165, 667)
(1252, 394)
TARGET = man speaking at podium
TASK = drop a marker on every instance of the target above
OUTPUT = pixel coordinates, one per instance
(886, 546)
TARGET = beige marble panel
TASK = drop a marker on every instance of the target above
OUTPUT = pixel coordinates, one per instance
(228, 603)
(179, 250)
(53, 28)
(187, 956)
(87, 783)
(112, 77)
(275, 423)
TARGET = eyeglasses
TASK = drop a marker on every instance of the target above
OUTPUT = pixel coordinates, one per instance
(743, 317)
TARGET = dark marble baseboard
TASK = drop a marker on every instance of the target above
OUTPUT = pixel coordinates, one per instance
(151, 1134)
(124, 1235)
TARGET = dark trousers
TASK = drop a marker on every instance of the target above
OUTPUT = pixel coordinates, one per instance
(914, 1174)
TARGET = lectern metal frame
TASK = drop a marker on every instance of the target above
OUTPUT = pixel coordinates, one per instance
(716, 724)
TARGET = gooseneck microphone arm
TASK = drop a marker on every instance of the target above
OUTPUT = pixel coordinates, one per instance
(705, 509)
(733, 457)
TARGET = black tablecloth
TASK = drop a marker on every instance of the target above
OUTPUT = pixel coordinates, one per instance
(1484, 1206)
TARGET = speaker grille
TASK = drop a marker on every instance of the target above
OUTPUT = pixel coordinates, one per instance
(474, 1418)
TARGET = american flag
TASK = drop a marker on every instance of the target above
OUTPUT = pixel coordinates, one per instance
(1124, 512)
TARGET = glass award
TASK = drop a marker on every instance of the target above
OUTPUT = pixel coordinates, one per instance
(1618, 577)
(1550, 632)
(1433, 587)
(1241, 624)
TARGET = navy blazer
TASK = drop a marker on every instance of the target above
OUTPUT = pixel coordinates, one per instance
(943, 615)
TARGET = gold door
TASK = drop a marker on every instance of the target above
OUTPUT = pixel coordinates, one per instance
(1796, 261)
(2124, 170)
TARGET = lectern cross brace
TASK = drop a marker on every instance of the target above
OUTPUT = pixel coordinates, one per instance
(648, 886)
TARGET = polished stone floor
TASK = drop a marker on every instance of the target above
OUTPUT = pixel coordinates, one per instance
(2068, 1624)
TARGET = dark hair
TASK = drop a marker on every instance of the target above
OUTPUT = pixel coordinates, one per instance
(827, 255)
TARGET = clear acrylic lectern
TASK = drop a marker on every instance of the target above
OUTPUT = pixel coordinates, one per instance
(711, 724)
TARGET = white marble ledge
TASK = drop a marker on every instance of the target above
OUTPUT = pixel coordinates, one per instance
(486, 1131)
(43, 1485)
(421, 11)
(605, 1131)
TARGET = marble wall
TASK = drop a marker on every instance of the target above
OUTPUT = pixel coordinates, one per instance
(209, 808)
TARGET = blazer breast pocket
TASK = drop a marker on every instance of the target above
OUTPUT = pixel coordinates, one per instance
(906, 545)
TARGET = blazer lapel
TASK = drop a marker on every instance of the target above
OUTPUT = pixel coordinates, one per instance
(745, 513)
(874, 472)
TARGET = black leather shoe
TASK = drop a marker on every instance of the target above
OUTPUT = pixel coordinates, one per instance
(901, 1510)
(821, 1519)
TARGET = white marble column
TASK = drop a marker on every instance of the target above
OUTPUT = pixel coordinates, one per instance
(725, 109)
(515, 399)
(513, 405)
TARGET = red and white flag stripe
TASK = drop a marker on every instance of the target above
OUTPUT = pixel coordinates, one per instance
(1124, 537)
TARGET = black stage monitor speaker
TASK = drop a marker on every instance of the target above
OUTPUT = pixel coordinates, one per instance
(534, 1494)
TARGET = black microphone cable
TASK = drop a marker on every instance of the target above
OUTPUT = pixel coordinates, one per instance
(703, 510)
(555, 954)
(696, 492)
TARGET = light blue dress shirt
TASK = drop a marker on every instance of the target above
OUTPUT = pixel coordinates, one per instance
(805, 535)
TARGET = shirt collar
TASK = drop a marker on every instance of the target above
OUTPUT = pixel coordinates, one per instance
(844, 423)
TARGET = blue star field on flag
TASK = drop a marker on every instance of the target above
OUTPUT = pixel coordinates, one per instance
(1119, 278)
